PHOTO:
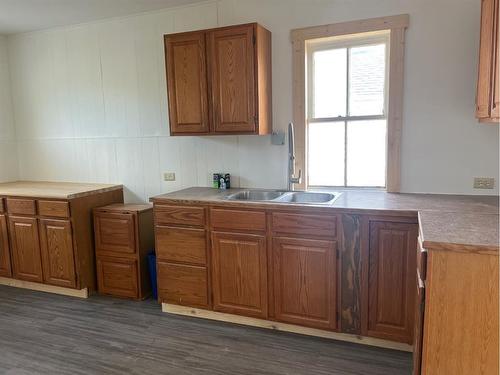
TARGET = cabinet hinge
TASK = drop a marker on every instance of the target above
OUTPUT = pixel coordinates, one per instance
(254, 39)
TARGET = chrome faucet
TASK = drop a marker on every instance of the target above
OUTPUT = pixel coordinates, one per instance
(291, 160)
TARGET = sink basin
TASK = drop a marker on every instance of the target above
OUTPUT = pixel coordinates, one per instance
(306, 197)
(284, 196)
(255, 195)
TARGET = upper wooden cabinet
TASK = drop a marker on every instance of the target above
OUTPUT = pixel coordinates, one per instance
(487, 98)
(219, 81)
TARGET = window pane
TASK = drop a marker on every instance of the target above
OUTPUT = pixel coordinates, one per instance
(366, 153)
(329, 83)
(366, 80)
(326, 154)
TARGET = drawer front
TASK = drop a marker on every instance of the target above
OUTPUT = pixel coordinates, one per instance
(182, 284)
(117, 277)
(53, 209)
(181, 245)
(421, 260)
(179, 215)
(238, 220)
(21, 206)
(115, 233)
(304, 225)
(2, 205)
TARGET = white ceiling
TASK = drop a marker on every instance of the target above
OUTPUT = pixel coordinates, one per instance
(27, 15)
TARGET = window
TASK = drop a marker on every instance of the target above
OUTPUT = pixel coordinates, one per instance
(347, 85)
(348, 102)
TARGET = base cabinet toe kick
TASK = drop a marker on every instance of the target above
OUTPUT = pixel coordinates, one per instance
(303, 270)
(47, 244)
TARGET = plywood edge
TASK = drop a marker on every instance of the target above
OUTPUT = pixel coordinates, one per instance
(79, 293)
(254, 322)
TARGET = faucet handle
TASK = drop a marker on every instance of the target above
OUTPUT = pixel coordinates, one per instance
(298, 179)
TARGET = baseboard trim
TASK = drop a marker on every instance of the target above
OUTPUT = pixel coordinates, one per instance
(261, 323)
(79, 293)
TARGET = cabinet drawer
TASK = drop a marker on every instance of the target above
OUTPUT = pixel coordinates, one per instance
(304, 225)
(181, 245)
(180, 215)
(115, 233)
(421, 260)
(2, 206)
(21, 206)
(238, 220)
(182, 284)
(117, 277)
(53, 209)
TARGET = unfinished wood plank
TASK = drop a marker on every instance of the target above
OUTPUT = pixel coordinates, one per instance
(80, 293)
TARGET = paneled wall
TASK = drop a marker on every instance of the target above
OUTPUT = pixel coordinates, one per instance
(90, 100)
(8, 152)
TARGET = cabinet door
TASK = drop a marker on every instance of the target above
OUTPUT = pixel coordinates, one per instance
(187, 83)
(495, 105)
(115, 233)
(25, 247)
(304, 282)
(239, 273)
(486, 52)
(56, 240)
(389, 286)
(231, 56)
(5, 269)
(117, 277)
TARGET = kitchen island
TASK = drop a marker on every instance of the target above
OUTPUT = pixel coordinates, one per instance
(46, 234)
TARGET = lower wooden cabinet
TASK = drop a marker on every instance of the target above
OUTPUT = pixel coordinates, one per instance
(56, 240)
(25, 247)
(182, 284)
(389, 287)
(239, 273)
(5, 266)
(305, 282)
(117, 276)
(123, 238)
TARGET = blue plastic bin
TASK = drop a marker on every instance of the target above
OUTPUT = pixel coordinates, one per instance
(152, 273)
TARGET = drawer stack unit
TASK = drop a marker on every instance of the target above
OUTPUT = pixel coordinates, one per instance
(182, 257)
(123, 238)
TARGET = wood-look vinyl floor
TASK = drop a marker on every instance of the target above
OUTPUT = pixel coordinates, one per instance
(43, 333)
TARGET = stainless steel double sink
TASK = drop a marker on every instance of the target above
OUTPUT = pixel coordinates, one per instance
(276, 196)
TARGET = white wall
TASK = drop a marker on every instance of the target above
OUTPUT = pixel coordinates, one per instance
(90, 100)
(8, 150)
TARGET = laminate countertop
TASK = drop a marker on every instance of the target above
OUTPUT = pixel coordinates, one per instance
(53, 190)
(454, 222)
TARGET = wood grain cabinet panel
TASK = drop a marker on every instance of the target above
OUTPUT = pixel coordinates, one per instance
(53, 209)
(219, 81)
(179, 215)
(115, 233)
(237, 220)
(25, 249)
(56, 240)
(186, 245)
(231, 58)
(5, 266)
(305, 282)
(187, 83)
(182, 284)
(304, 225)
(17, 206)
(239, 274)
(487, 97)
(390, 281)
(117, 276)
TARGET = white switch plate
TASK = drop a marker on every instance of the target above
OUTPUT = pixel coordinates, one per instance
(169, 176)
(484, 183)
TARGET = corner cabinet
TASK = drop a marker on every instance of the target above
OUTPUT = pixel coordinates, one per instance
(219, 81)
(487, 98)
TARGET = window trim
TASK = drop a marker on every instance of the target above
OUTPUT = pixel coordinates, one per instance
(300, 37)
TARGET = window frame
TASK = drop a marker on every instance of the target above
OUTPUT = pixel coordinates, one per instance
(395, 26)
(347, 42)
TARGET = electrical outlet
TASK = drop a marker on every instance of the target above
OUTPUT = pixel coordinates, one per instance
(169, 176)
(484, 183)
